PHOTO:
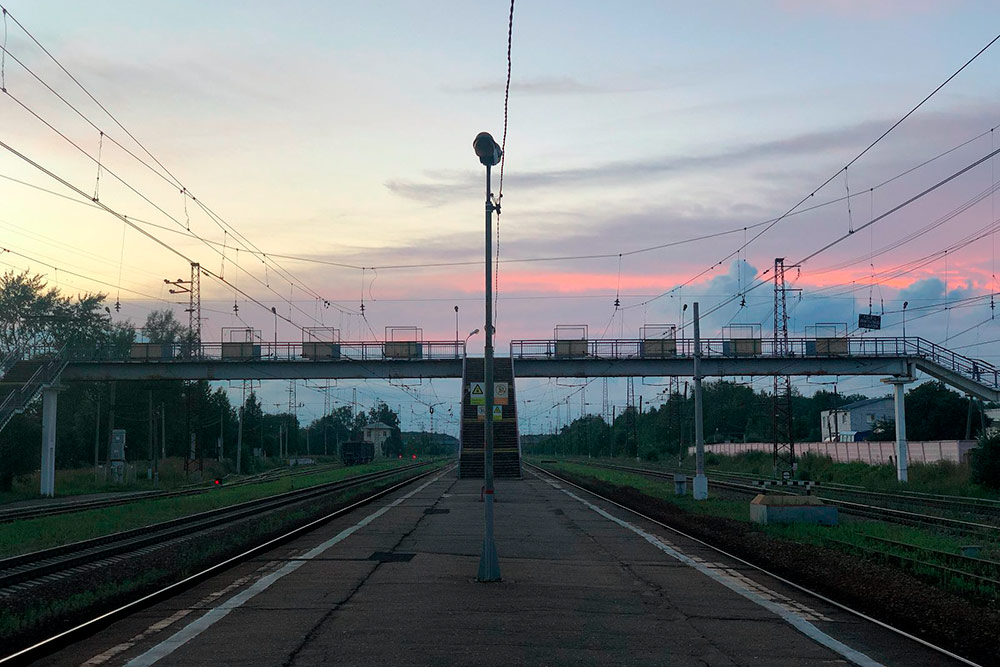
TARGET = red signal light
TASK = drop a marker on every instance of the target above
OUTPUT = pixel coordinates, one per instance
(218, 482)
(414, 457)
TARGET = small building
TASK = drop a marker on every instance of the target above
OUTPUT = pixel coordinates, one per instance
(855, 421)
(377, 433)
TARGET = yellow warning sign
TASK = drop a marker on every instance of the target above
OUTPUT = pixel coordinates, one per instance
(477, 393)
(499, 393)
(497, 413)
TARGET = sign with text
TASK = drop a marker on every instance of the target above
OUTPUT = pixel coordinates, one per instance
(869, 321)
(500, 391)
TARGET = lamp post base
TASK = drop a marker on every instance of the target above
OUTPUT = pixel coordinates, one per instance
(489, 562)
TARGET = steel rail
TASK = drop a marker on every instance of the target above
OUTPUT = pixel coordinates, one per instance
(27, 567)
(66, 637)
(856, 509)
(55, 509)
(783, 580)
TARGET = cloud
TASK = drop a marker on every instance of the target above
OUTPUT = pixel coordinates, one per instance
(438, 188)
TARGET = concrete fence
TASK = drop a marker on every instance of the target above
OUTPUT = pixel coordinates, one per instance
(931, 451)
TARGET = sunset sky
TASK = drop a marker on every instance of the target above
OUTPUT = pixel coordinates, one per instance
(335, 136)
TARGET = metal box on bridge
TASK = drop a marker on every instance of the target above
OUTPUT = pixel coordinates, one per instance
(320, 350)
(403, 349)
(658, 348)
(571, 348)
(240, 351)
(827, 347)
(150, 351)
(741, 347)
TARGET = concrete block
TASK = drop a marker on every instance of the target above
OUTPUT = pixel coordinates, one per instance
(680, 484)
(792, 509)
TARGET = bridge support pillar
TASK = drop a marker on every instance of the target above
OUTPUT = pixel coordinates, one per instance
(50, 401)
(902, 454)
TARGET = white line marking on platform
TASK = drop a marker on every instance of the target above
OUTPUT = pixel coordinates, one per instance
(737, 584)
(196, 627)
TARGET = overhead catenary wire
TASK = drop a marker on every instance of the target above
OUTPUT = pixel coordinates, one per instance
(165, 174)
(857, 157)
(125, 220)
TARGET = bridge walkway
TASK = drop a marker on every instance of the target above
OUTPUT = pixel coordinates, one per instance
(399, 589)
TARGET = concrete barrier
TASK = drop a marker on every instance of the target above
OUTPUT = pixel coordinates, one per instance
(791, 509)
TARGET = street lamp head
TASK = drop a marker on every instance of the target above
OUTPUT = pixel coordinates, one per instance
(456, 309)
(905, 304)
(487, 149)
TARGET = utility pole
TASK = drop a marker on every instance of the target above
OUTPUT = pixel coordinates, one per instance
(781, 413)
(222, 426)
(111, 419)
(631, 446)
(635, 428)
(239, 432)
(192, 288)
(700, 490)
(152, 449)
(163, 431)
(97, 436)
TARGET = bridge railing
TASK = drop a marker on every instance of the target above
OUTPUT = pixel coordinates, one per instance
(897, 347)
(305, 352)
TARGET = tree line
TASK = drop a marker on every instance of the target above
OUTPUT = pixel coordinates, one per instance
(735, 412)
(172, 418)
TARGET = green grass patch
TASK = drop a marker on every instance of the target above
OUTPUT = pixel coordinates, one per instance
(851, 531)
(34, 534)
(44, 610)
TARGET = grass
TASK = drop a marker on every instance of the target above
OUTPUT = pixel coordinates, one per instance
(81, 481)
(943, 477)
(850, 531)
(30, 535)
(44, 612)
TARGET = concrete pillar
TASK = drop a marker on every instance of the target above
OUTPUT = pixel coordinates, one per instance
(50, 398)
(901, 451)
(898, 383)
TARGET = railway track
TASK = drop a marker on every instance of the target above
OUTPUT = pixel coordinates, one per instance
(757, 568)
(68, 507)
(955, 505)
(19, 573)
(876, 512)
(82, 629)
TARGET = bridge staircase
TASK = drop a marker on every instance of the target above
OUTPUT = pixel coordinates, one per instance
(22, 380)
(506, 440)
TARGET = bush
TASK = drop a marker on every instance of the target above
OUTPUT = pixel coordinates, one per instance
(986, 460)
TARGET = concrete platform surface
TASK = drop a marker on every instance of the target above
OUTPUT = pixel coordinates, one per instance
(393, 583)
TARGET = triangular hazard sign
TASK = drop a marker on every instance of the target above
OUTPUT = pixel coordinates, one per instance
(477, 389)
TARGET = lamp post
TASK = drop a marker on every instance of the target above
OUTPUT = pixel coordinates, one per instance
(465, 347)
(905, 304)
(489, 154)
(456, 325)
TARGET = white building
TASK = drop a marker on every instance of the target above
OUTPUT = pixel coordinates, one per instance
(855, 421)
(377, 433)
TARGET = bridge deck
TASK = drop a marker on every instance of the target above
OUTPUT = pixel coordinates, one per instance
(578, 589)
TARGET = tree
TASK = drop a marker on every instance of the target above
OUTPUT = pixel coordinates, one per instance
(162, 327)
(986, 460)
(934, 412)
(34, 314)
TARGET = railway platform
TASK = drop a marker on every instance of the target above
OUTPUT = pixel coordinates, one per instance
(584, 583)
